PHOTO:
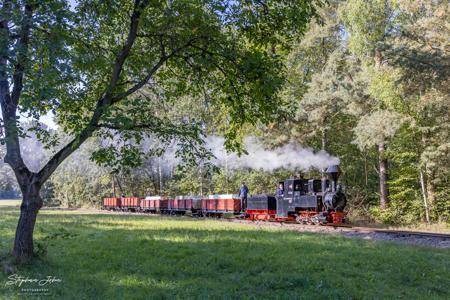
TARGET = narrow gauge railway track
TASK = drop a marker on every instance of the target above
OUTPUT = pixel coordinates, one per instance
(430, 239)
(404, 233)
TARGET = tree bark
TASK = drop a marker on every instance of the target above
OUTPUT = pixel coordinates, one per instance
(23, 242)
(324, 139)
(431, 188)
(366, 173)
(383, 175)
(323, 176)
(423, 185)
(426, 180)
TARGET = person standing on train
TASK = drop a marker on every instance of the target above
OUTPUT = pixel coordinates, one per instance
(243, 192)
(280, 190)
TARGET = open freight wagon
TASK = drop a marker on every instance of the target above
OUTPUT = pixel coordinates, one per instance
(221, 204)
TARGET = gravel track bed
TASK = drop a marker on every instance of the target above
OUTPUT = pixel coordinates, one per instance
(367, 234)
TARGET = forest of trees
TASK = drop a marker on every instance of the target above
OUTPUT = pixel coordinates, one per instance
(368, 83)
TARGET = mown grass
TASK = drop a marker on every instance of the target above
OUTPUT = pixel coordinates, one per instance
(10, 202)
(140, 257)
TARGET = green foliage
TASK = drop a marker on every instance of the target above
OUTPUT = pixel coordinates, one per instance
(385, 87)
(196, 181)
(368, 23)
(377, 127)
(218, 47)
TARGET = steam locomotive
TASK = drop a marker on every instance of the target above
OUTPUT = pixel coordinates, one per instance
(308, 201)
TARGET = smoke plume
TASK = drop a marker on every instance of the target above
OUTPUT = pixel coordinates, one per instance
(291, 156)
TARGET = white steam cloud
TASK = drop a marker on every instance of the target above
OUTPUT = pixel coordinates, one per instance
(290, 156)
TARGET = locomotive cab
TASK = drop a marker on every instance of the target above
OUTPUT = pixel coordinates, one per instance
(294, 188)
(298, 196)
(312, 200)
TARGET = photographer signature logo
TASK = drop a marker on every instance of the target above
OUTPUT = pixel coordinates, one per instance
(17, 280)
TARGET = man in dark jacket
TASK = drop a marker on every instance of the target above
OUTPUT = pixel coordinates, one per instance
(280, 190)
(243, 192)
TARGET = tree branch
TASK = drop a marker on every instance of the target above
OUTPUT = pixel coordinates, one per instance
(141, 83)
(120, 59)
(9, 101)
(102, 104)
(152, 71)
(22, 56)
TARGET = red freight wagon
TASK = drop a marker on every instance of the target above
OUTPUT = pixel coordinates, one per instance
(111, 203)
(192, 204)
(131, 203)
(172, 204)
(229, 203)
(204, 204)
(196, 203)
(155, 203)
(145, 204)
(188, 204)
(211, 203)
(224, 203)
(161, 204)
(233, 205)
(148, 204)
(181, 202)
(105, 202)
(221, 204)
(115, 202)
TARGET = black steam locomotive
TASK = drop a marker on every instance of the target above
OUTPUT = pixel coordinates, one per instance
(309, 201)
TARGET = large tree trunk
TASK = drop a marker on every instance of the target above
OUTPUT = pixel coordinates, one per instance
(383, 175)
(23, 243)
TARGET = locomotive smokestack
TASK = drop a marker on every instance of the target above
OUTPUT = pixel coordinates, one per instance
(334, 172)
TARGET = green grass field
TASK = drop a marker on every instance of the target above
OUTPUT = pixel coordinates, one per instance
(140, 257)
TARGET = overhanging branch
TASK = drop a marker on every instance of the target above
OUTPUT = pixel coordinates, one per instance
(152, 71)
(102, 104)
